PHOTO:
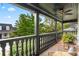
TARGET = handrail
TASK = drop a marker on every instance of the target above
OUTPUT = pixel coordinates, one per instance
(45, 41)
(69, 31)
(47, 33)
(22, 37)
(14, 38)
(50, 33)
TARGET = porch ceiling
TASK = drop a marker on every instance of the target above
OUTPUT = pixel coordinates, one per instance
(53, 9)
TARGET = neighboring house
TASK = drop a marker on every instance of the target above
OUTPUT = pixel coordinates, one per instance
(72, 27)
(5, 30)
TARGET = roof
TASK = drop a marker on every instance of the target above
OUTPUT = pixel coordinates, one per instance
(6, 31)
(49, 9)
(4, 24)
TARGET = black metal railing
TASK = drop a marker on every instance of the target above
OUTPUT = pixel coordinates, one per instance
(26, 45)
(46, 40)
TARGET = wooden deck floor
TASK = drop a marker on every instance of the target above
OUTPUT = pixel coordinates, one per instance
(56, 47)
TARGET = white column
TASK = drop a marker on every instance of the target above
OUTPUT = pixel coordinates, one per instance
(34, 14)
(36, 18)
(78, 33)
(78, 28)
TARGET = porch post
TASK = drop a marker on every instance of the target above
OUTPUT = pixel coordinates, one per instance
(62, 21)
(78, 27)
(36, 17)
(56, 29)
(62, 28)
(78, 33)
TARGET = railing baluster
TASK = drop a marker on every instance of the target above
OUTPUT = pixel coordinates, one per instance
(45, 40)
(33, 47)
(17, 51)
(3, 44)
(42, 41)
(22, 47)
(26, 47)
(11, 44)
(30, 46)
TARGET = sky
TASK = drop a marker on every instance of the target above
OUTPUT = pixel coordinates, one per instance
(9, 13)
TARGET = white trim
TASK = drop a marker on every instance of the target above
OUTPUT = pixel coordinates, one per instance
(78, 28)
(39, 1)
(0, 27)
(7, 28)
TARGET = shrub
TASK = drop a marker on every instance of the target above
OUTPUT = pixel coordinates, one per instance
(68, 38)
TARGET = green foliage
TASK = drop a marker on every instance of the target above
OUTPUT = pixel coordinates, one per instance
(59, 26)
(68, 38)
(66, 25)
(47, 26)
(25, 25)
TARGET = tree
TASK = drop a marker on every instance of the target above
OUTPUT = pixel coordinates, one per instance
(25, 25)
(47, 25)
(59, 26)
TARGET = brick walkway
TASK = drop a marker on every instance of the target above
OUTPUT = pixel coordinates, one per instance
(57, 47)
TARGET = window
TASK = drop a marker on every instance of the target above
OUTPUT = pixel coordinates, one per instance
(0, 27)
(7, 28)
(5, 34)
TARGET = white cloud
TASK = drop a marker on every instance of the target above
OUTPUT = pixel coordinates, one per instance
(11, 9)
(9, 17)
(3, 7)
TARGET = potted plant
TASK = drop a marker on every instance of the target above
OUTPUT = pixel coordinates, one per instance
(68, 39)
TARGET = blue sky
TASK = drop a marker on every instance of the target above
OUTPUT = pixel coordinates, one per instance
(9, 13)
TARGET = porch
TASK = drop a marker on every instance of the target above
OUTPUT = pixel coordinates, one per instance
(35, 45)
(59, 46)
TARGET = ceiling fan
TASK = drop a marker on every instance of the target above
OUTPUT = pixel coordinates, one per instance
(68, 12)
